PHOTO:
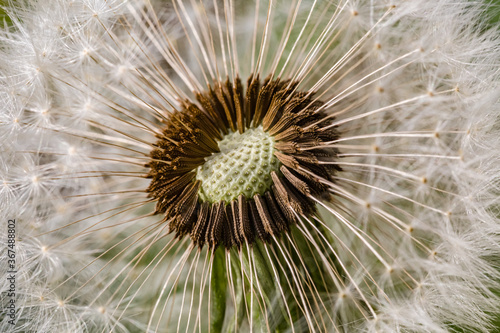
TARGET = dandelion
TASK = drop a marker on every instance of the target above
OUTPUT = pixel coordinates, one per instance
(303, 166)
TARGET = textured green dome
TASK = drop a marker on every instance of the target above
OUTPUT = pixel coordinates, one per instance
(243, 166)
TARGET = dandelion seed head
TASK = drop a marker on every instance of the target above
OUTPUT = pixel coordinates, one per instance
(380, 215)
(206, 158)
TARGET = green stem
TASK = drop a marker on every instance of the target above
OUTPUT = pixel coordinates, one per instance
(218, 289)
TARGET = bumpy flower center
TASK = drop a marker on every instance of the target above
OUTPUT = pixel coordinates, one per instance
(243, 166)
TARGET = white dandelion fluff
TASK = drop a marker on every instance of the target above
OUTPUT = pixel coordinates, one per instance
(303, 166)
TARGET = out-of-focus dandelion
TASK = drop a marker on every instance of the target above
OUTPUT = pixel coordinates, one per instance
(303, 166)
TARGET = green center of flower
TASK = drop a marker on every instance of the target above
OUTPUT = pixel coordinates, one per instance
(243, 166)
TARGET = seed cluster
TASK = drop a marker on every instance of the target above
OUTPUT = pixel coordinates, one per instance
(193, 137)
(243, 166)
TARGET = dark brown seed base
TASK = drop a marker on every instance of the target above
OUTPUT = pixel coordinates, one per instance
(191, 135)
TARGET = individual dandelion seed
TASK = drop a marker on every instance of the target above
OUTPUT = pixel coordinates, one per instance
(352, 190)
(234, 171)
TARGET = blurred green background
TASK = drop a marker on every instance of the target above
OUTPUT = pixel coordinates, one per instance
(3, 16)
